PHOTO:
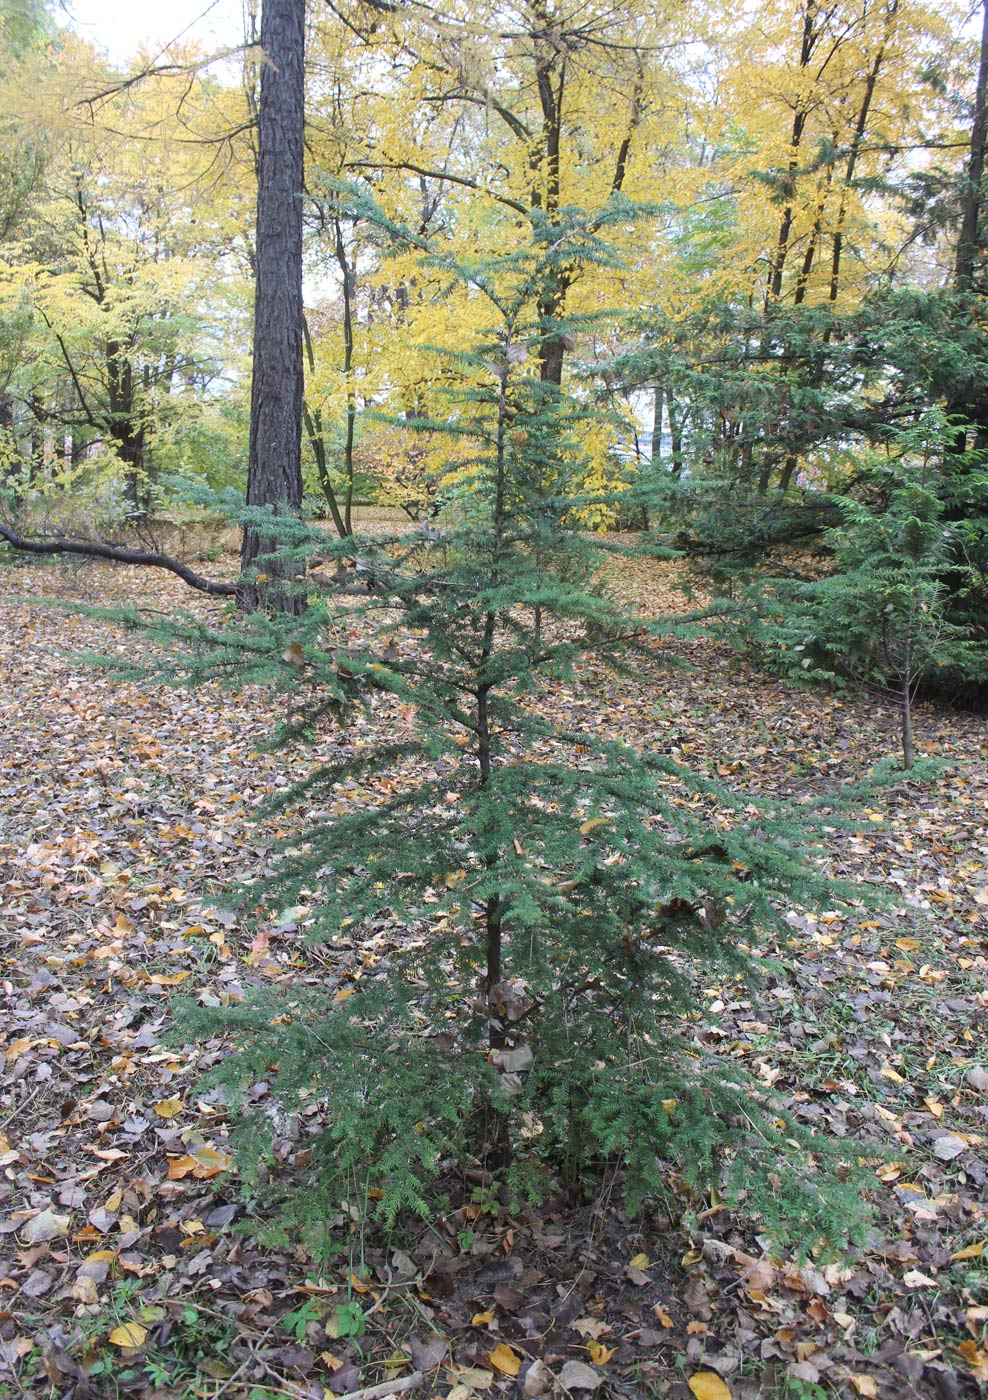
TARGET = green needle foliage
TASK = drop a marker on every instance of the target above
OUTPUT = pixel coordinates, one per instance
(532, 901)
(880, 618)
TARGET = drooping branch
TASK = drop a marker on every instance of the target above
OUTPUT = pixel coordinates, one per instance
(94, 550)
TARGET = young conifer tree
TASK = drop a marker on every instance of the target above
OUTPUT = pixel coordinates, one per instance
(530, 897)
(880, 618)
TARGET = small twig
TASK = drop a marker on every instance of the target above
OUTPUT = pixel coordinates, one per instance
(375, 1392)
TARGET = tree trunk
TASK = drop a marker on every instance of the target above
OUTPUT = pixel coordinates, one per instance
(907, 725)
(274, 472)
(969, 244)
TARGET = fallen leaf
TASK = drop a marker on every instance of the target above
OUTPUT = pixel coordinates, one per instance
(538, 1379)
(168, 1108)
(914, 1279)
(971, 1251)
(504, 1359)
(948, 1147)
(707, 1385)
(474, 1377)
(427, 1351)
(575, 1375)
(599, 1354)
(46, 1226)
(210, 1162)
(130, 1334)
(973, 1356)
(591, 1327)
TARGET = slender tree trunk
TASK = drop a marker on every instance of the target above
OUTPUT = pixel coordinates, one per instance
(274, 472)
(314, 431)
(347, 271)
(907, 724)
(969, 243)
(676, 435)
(657, 401)
(808, 42)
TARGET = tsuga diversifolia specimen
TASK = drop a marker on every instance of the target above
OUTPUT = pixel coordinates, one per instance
(512, 903)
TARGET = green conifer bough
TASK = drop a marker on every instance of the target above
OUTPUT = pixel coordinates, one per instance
(530, 900)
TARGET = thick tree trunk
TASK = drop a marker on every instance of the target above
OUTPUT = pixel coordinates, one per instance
(274, 473)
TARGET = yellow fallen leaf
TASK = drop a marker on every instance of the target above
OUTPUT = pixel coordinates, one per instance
(640, 1261)
(481, 1319)
(972, 1251)
(587, 828)
(864, 1385)
(114, 1201)
(343, 993)
(889, 1073)
(181, 1167)
(173, 980)
(168, 1108)
(209, 1162)
(707, 1385)
(131, 1334)
(599, 1354)
(934, 1107)
(504, 1359)
(662, 1317)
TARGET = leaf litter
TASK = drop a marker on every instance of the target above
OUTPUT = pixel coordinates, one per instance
(128, 1263)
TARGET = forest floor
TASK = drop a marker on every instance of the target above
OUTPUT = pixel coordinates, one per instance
(132, 1264)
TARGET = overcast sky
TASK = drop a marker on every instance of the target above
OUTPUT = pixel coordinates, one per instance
(120, 27)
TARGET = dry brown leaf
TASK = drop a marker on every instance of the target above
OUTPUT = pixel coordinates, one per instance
(577, 1376)
(46, 1225)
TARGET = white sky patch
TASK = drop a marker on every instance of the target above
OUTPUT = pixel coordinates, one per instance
(122, 27)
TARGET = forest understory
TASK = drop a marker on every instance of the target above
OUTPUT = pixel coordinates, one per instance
(132, 1263)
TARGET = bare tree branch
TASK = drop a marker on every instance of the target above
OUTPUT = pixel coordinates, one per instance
(93, 550)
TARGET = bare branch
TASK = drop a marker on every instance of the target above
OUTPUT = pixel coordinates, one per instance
(515, 204)
(93, 550)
